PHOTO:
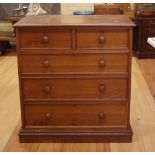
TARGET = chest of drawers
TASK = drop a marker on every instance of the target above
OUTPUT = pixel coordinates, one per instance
(74, 76)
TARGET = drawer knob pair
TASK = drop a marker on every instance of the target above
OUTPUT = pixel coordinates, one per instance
(49, 115)
(47, 88)
(102, 63)
(46, 63)
(101, 115)
(45, 39)
(102, 88)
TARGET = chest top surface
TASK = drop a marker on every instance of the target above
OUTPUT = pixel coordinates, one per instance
(72, 20)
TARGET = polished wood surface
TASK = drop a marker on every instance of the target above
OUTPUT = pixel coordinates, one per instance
(148, 73)
(13, 145)
(108, 115)
(74, 88)
(9, 98)
(142, 115)
(102, 38)
(84, 38)
(71, 20)
(70, 92)
(45, 38)
(75, 63)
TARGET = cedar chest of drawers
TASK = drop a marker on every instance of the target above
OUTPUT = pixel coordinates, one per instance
(74, 78)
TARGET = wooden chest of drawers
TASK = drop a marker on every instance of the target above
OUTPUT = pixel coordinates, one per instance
(75, 75)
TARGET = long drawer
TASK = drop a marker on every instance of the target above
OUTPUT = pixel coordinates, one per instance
(74, 88)
(113, 115)
(74, 63)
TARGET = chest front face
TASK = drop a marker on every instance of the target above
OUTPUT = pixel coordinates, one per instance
(75, 78)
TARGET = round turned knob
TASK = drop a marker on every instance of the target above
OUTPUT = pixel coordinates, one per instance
(102, 63)
(102, 88)
(45, 39)
(46, 63)
(101, 115)
(47, 88)
(101, 39)
(49, 115)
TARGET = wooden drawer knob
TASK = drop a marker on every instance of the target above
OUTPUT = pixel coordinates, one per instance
(49, 115)
(47, 88)
(102, 88)
(45, 39)
(101, 39)
(102, 63)
(101, 115)
(46, 63)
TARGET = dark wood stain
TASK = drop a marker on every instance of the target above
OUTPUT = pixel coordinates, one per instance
(75, 77)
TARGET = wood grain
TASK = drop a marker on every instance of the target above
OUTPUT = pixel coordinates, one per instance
(13, 145)
(70, 20)
(109, 115)
(148, 73)
(102, 38)
(70, 86)
(75, 63)
(34, 38)
(142, 115)
(74, 88)
(9, 98)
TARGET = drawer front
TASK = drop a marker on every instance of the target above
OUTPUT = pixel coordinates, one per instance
(102, 39)
(56, 39)
(74, 88)
(74, 63)
(76, 115)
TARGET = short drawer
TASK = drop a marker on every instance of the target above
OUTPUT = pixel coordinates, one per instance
(74, 88)
(149, 31)
(46, 38)
(76, 115)
(74, 63)
(102, 39)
